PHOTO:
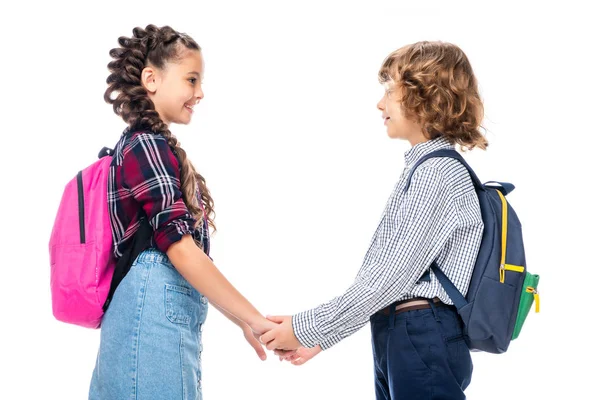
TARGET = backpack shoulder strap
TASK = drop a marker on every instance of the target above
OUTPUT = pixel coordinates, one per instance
(139, 243)
(448, 153)
(454, 294)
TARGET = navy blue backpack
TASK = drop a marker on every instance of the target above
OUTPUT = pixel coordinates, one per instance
(489, 312)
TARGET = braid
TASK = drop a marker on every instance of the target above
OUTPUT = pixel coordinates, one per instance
(155, 46)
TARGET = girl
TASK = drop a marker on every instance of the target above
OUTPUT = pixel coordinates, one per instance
(151, 333)
(431, 100)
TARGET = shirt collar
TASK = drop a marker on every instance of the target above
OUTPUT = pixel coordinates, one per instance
(421, 149)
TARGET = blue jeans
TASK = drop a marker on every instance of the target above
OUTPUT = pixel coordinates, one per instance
(420, 355)
(151, 336)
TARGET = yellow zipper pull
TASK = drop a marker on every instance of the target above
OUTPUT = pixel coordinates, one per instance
(536, 297)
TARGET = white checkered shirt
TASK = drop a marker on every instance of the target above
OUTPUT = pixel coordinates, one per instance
(437, 219)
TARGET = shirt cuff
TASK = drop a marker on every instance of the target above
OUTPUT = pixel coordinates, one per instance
(305, 329)
(173, 232)
(330, 342)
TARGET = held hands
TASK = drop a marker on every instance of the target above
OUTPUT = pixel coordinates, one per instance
(285, 344)
(282, 337)
(252, 334)
(277, 333)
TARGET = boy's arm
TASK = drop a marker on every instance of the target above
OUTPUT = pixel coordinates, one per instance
(426, 225)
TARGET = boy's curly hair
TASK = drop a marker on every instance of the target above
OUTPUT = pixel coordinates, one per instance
(438, 90)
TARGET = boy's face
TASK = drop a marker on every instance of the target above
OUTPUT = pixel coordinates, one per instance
(397, 124)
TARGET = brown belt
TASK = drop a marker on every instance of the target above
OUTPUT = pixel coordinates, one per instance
(412, 304)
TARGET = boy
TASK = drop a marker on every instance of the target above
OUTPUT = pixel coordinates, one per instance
(431, 100)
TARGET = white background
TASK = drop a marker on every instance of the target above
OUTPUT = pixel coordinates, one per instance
(298, 162)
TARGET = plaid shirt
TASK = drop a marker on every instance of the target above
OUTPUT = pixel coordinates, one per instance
(437, 219)
(144, 181)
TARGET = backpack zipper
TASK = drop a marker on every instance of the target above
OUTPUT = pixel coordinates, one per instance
(503, 265)
(81, 207)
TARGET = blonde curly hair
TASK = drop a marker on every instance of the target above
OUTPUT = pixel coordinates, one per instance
(438, 90)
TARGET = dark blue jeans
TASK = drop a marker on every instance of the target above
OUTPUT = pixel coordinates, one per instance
(420, 355)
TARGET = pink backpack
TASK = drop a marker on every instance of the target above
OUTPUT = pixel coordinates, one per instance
(81, 247)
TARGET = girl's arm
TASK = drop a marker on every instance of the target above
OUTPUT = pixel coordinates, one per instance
(150, 171)
(251, 337)
(229, 316)
(198, 269)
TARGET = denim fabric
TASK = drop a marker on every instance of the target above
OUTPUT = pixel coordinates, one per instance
(151, 336)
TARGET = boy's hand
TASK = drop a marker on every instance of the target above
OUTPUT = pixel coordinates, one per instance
(281, 337)
(298, 356)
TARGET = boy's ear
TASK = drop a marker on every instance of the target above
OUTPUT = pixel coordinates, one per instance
(150, 79)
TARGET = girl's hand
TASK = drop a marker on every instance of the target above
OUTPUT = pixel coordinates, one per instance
(252, 339)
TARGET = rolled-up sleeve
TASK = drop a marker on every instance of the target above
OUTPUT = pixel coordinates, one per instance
(151, 172)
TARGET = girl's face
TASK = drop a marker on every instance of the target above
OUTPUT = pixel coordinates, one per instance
(177, 88)
(397, 124)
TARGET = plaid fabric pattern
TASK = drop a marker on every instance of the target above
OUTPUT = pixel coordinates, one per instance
(144, 181)
(437, 219)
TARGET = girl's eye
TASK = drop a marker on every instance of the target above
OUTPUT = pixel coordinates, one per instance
(192, 80)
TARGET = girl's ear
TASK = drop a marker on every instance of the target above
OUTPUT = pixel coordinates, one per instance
(150, 79)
